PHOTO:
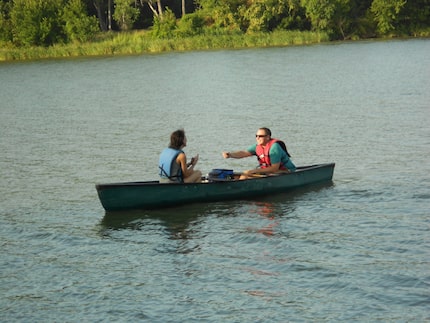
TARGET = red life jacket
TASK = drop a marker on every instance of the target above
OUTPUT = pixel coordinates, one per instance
(263, 154)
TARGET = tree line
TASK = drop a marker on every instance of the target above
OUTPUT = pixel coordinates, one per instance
(47, 22)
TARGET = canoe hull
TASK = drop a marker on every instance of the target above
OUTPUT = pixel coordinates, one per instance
(152, 194)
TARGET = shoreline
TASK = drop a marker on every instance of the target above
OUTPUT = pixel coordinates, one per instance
(140, 43)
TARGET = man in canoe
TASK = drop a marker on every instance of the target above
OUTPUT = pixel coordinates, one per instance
(173, 164)
(271, 153)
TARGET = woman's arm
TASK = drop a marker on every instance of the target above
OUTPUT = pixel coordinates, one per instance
(187, 169)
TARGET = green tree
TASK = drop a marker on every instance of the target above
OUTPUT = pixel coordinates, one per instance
(331, 16)
(78, 26)
(415, 17)
(386, 13)
(165, 26)
(190, 24)
(294, 18)
(264, 15)
(5, 27)
(362, 24)
(125, 13)
(36, 22)
(222, 14)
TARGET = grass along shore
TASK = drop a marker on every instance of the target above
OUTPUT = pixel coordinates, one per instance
(141, 42)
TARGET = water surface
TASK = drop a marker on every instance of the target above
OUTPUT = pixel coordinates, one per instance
(355, 249)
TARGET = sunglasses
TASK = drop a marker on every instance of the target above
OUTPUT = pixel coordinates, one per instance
(260, 136)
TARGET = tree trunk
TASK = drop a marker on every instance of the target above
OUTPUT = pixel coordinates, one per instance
(109, 15)
(160, 9)
(156, 12)
(101, 14)
(183, 8)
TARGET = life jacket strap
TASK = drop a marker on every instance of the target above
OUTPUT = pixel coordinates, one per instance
(172, 178)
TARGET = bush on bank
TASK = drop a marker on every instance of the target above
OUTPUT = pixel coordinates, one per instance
(141, 42)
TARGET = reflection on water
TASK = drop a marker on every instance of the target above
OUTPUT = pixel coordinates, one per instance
(267, 210)
(182, 222)
(175, 220)
(297, 193)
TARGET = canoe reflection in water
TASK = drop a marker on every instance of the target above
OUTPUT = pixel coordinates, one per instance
(180, 222)
(175, 221)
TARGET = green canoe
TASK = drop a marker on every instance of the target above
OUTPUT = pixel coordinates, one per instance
(152, 194)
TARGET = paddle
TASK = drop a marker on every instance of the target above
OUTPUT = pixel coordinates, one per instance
(256, 175)
(250, 176)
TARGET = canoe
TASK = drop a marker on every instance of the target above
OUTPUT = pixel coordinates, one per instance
(153, 194)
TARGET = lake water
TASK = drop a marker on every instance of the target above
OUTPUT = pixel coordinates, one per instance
(357, 249)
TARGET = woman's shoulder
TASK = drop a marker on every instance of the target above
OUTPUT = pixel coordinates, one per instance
(181, 154)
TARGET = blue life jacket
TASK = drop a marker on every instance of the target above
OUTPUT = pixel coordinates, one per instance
(168, 166)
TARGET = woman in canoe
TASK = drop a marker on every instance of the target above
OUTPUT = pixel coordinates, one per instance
(271, 153)
(173, 164)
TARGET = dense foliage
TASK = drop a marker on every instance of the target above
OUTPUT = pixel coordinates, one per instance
(47, 22)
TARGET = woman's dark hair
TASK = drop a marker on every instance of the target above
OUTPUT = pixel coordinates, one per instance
(177, 139)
